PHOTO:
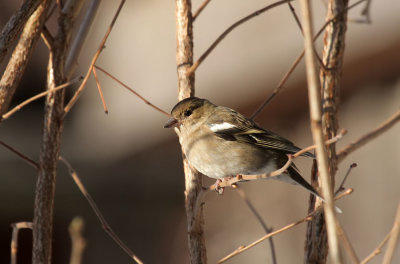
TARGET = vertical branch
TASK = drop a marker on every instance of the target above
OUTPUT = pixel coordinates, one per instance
(317, 131)
(51, 139)
(330, 76)
(193, 181)
(20, 57)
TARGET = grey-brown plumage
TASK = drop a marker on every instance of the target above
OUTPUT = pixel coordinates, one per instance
(220, 142)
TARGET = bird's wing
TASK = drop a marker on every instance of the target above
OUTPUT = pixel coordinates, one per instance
(230, 125)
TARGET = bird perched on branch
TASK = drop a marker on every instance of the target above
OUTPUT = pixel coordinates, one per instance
(220, 142)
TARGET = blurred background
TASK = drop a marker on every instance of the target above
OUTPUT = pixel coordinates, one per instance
(132, 167)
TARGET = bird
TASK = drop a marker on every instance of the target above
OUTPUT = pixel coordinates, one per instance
(220, 142)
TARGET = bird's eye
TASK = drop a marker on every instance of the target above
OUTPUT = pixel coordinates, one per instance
(188, 112)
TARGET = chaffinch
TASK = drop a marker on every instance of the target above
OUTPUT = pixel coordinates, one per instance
(220, 142)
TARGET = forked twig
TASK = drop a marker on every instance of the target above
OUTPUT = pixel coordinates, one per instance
(74, 98)
(197, 63)
(97, 211)
(100, 90)
(131, 90)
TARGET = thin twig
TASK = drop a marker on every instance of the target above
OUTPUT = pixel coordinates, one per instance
(200, 9)
(267, 230)
(97, 211)
(387, 258)
(21, 155)
(316, 129)
(33, 98)
(14, 238)
(100, 91)
(294, 65)
(378, 249)
(306, 219)
(366, 11)
(75, 97)
(78, 242)
(131, 90)
(228, 30)
(341, 188)
(369, 136)
(347, 245)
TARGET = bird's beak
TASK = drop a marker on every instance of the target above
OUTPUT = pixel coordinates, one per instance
(172, 122)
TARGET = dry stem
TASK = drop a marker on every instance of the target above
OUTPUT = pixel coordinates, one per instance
(131, 90)
(100, 90)
(228, 30)
(21, 155)
(387, 258)
(97, 211)
(94, 59)
(369, 136)
(202, 6)
(318, 137)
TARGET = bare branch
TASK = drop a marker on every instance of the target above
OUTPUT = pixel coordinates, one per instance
(94, 59)
(15, 24)
(14, 238)
(228, 30)
(72, 60)
(316, 129)
(267, 230)
(131, 90)
(394, 237)
(33, 98)
(21, 155)
(202, 6)
(78, 242)
(347, 245)
(341, 188)
(100, 91)
(369, 136)
(19, 59)
(97, 211)
(294, 65)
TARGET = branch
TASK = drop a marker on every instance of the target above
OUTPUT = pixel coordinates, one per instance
(318, 137)
(51, 138)
(72, 60)
(40, 95)
(308, 218)
(14, 238)
(15, 24)
(131, 90)
(369, 136)
(21, 155)
(100, 90)
(94, 59)
(97, 211)
(228, 30)
(19, 59)
(347, 245)
(202, 6)
(387, 258)
(378, 249)
(267, 230)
